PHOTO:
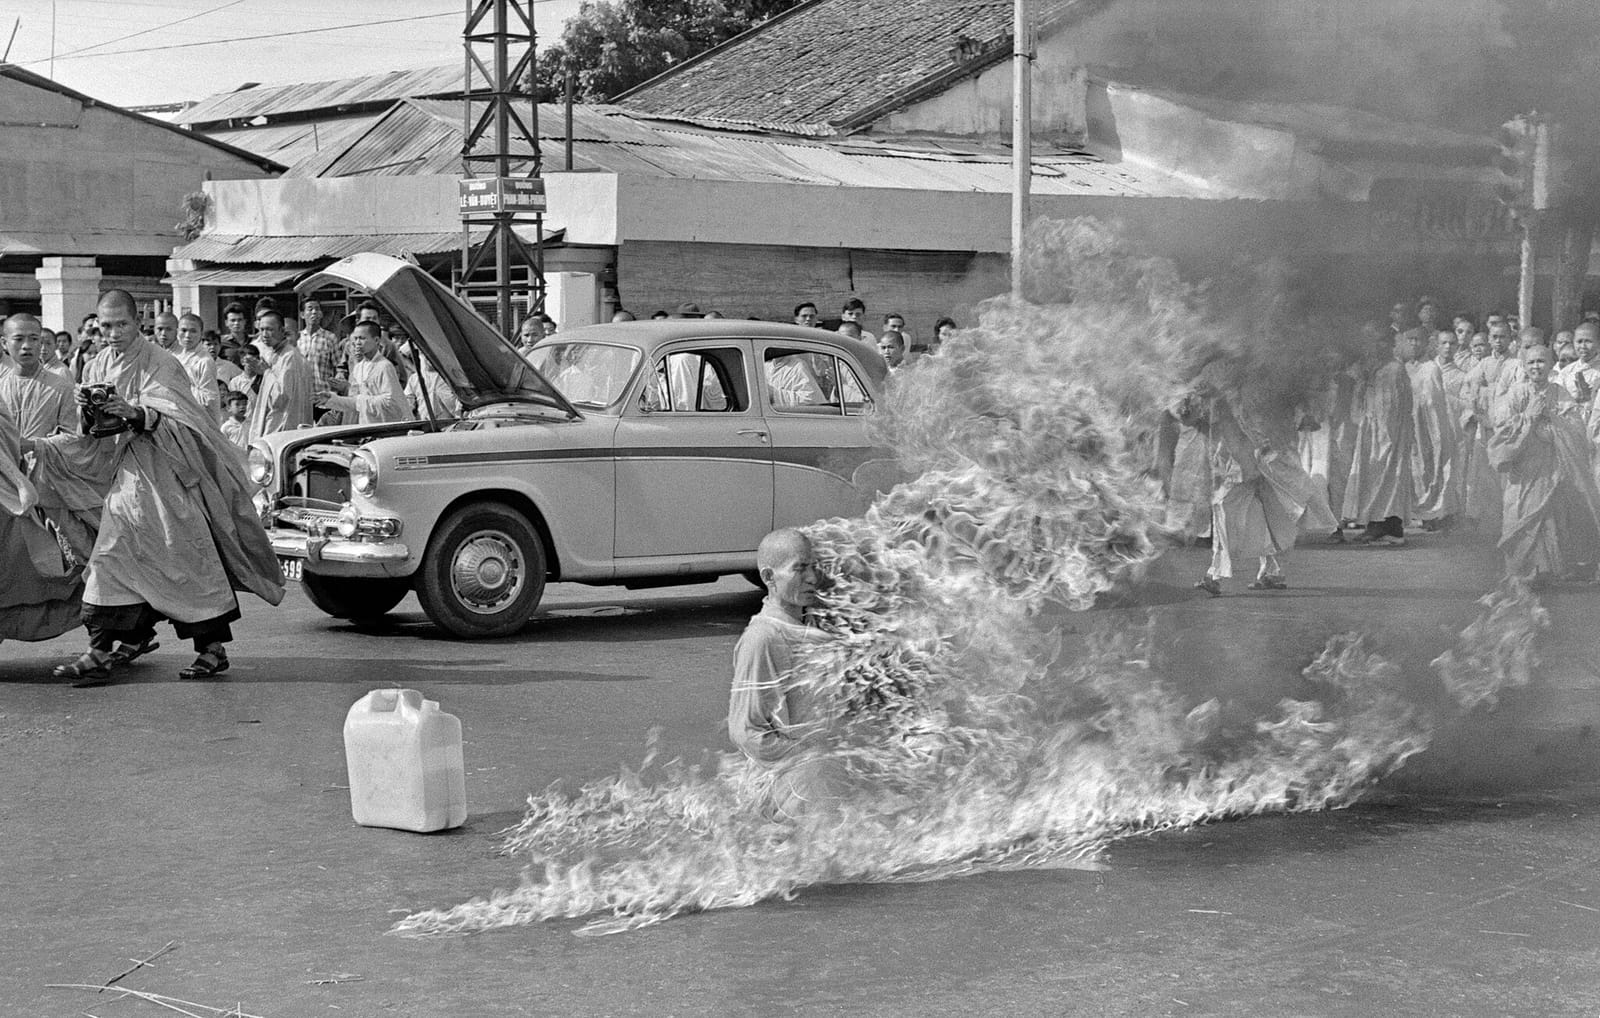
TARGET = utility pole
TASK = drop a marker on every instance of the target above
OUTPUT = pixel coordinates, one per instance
(1525, 186)
(490, 191)
(1021, 136)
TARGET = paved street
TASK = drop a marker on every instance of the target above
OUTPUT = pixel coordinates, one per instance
(214, 815)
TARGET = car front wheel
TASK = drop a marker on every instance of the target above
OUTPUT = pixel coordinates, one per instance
(354, 598)
(483, 574)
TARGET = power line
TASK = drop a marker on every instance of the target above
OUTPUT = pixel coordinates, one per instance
(147, 31)
(254, 38)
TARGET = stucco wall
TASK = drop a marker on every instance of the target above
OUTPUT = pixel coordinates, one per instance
(302, 206)
(93, 181)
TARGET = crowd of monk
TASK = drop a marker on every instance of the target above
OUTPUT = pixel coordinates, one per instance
(1491, 431)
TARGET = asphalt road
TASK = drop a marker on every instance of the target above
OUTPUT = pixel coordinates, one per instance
(214, 816)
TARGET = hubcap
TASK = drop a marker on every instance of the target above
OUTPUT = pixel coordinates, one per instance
(487, 572)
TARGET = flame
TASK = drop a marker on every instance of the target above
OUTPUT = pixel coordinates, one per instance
(962, 736)
(1497, 650)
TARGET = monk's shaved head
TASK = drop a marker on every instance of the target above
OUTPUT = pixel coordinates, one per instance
(194, 320)
(782, 547)
(120, 299)
(20, 323)
(1529, 352)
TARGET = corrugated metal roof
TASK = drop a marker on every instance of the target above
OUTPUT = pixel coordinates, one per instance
(261, 250)
(277, 100)
(423, 136)
(265, 279)
(290, 143)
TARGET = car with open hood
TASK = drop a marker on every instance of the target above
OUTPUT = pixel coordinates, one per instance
(641, 454)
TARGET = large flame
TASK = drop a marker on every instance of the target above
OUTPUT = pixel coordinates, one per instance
(962, 737)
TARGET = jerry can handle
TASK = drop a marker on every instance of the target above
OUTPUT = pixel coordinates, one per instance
(403, 701)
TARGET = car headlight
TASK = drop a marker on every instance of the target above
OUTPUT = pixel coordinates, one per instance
(349, 522)
(364, 472)
(258, 463)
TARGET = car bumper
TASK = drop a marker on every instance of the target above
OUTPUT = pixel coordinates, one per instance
(378, 557)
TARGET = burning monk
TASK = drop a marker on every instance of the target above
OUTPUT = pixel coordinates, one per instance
(772, 718)
(1552, 509)
(178, 534)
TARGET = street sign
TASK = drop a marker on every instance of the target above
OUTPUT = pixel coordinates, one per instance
(485, 197)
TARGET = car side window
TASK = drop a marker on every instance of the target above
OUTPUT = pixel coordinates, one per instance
(800, 381)
(816, 384)
(697, 381)
(852, 394)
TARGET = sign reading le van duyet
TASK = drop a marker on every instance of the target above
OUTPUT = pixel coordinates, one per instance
(486, 196)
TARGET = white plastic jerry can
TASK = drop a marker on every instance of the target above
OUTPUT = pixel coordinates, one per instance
(405, 763)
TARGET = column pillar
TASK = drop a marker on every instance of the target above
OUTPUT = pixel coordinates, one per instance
(191, 298)
(69, 288)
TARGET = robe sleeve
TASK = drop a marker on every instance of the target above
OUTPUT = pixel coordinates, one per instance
(1521, 412)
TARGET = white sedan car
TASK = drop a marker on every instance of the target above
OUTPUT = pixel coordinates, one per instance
(642, 454)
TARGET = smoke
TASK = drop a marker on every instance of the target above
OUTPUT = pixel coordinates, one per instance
(960, 735)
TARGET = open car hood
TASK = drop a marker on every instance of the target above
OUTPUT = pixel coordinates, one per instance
(472, 357)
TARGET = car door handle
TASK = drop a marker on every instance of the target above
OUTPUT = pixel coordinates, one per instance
(757, 432)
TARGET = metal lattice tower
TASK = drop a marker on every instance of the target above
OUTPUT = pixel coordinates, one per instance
(503, 188)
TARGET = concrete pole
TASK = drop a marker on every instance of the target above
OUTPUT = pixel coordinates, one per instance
(1526, 268)
(1021, 136)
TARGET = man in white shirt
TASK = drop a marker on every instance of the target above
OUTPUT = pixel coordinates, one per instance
(374, 393)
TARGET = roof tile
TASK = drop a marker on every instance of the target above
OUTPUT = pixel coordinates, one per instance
(828, 61)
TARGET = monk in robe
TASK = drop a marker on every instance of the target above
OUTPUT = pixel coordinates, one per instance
(1581, 379)
(40, 401)
(1189, 485)
(1434, 450)
(41, 597)
(1316, 448)
(1484, 495)
(195, 356)
(1454, 377)
(178, 534)
(1379, 491)
(1259, 491)
(1552, 507)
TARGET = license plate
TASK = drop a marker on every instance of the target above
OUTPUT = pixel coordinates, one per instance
(291, 568)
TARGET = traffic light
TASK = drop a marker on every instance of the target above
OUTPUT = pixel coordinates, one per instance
(1523, 164)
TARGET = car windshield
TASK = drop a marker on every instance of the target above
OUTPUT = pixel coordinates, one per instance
(590, 375)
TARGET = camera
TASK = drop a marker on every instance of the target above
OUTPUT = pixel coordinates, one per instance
(97, 421)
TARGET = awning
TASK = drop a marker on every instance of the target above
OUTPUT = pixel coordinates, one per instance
(263, 250)
(258, 279)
